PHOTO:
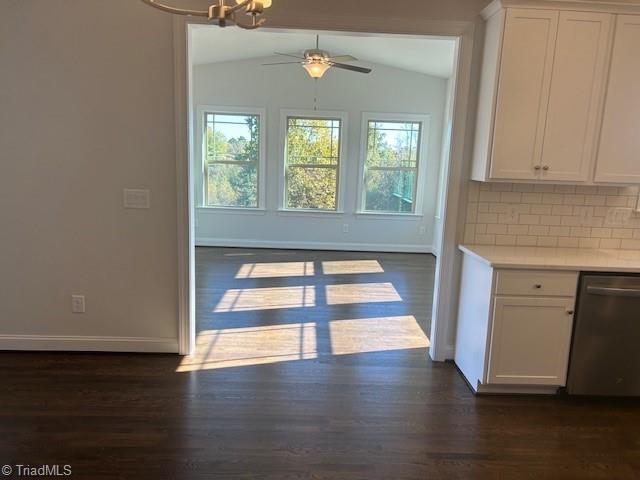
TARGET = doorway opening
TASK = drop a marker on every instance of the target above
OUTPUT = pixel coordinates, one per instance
(318, 203)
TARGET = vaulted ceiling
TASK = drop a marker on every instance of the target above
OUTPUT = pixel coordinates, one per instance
(431, 56)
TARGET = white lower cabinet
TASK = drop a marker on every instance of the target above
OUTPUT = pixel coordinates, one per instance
(530, 341)
(514, 328)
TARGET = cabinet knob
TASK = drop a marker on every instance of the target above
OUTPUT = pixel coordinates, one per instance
(537, 286)
(546, 168)
(537, 167)
(570, 312)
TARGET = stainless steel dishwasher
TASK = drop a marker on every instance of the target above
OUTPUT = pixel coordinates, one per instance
(605, 352)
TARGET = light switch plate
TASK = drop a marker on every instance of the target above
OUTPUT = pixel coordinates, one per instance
(78, 304)
(136, 198)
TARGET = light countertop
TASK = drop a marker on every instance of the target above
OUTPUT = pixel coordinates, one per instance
(575, 259)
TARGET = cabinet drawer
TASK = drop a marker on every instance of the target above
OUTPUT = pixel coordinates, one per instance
(536, 283)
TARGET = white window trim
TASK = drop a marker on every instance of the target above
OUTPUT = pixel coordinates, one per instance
(423, 160)
(200, 195)
(340, 191)
(230, 211)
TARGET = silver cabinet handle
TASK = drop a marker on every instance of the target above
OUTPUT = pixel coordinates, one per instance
(613, 292)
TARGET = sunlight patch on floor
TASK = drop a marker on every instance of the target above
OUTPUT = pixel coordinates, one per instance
(361, 293)
(237, 347)
(376, 335)
(345, 267)
(245, 299)
(275, 270)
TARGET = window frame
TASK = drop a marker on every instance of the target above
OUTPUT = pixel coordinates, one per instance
(201, 171)
(421, 164)
(340, 169)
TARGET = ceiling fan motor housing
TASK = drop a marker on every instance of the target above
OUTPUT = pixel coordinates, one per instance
(316, 54)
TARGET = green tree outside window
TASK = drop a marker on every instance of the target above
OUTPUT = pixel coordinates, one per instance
(232, 153)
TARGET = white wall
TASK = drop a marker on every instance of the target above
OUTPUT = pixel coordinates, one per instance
(86, 109)
(249, 84)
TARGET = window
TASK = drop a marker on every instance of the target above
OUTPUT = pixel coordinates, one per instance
(312, 163)
(393, 150)
(232, 153)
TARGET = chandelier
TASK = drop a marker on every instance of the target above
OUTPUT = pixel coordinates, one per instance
(221, 14)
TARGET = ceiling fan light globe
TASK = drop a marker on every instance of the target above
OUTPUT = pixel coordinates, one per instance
(316, 70)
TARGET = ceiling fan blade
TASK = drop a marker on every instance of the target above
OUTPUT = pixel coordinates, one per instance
(343, 58)
(352, 68)
(289, 55)
(281, 63)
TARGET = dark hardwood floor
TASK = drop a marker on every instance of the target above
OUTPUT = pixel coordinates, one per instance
(306, 375)
(283, 304)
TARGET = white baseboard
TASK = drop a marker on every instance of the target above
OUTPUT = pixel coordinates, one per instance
(447, 353)
(89, 344)
(293, 245)
(516, 389)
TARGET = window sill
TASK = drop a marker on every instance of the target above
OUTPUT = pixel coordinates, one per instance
(390, 215)
(308, 213)
(230, 211)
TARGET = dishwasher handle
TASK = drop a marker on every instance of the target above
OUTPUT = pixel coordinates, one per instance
(613, 292)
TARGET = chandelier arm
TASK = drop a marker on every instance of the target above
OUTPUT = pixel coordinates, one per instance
(175, 10)
(252, 26)
(238, 6)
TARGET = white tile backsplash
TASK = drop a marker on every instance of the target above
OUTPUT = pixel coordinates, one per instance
(551, 216)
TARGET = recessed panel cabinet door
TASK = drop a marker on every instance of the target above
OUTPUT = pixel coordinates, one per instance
(523, 93)
(619, 153)
(530, 341)
(577, 88)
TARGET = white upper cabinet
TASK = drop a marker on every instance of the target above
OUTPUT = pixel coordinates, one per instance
(576, 92)
(523, 93)
(619, 154)
(542, 97)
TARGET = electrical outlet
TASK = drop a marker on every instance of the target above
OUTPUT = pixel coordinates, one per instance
(586, 215)
(77, 304)
(618, 217)
(423, 230)
(514, 215)
(345, 228)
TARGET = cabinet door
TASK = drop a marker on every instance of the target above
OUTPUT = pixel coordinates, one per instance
(618, 157)
(523, 93)
(575, 101)
(530, 341)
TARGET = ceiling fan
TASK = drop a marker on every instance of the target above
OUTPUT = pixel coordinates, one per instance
(316, 62)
